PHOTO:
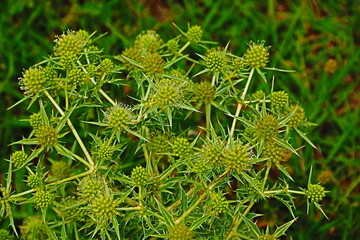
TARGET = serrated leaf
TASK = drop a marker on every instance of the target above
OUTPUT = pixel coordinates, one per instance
(287, 204)
(321, 210)
(25, 141)
(262, 75)
(252, 183)
(284, 171)
(305, 137)
(282, 229)
(167, 216)
(64, 118)
(63, 151)
(253, 228)
(174, 61)
(198, 223)
(18, 102)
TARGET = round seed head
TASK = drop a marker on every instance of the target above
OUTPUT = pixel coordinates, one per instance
(212, 154)
(274, 152)
(107, 66)
(105, 152)
(237, 157)
(118, 117)
(153, 64)
(133, 54)
(167, 95)
(215, 60)
(33, 80)
(257, 55)
(104, 208)
(297, 118)
(219, 203)
(36, 120)
(77, 77)
(194, 34)
(181, 147)
(315, 192)
(69, 209)
(266, 127)
(91, 187)
(159, 143)
(46, 136)
(238, 64)
(252, 191)
(204, 93)
(18, 159)
(33, 181)
(60, 169)
(279, 99)
(258, 95)
(42, 199)
(33, 228)
(148, 41)
(71, 42)
(93, 54)
(173, 46)
(139, 176)
(67, 60)
(49, 74)
(180, 232)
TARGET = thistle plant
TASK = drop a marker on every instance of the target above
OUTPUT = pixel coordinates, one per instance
(187, 154)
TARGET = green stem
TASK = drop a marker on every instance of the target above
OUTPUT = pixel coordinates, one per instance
(238, 221)
(283, 190)
(237, 113)
(208, 118)
(72, 177)
(129, 209)
(184, 47)
(71, 126)
(266, 176)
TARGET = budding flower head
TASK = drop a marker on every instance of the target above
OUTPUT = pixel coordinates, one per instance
(167, 95)
(215, 60)
(159, 143)
(237, 157)
(173, 46)
(46, 136)
(18, 159)
(219, 203)
(257, 55)
(69, 209)
(33, 181)
(133, 54)
(91, 187)
(181, 147)
(118, 117)
(33, 228)
(93, 54)
(258, 95)
(33, 80)
(212, 153)
(297, 118)
(72, 42)
(266, 127)
(279, 99)
(60, 169)
(153, 63)
(194, 34)
(35, 120)
(180, 232)
(139, 176)
(5, 235)
(42, 199)
(77, 77)
(315, 192)
(107, 66)
(274, 152)
(252, 191)
(149, 41)
(104, 208)
(238, 64)
(105, 152)
(204, 93)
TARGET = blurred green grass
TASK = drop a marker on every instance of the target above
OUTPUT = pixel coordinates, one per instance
(320, 40)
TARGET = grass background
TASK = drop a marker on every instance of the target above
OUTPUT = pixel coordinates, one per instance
(320, 40)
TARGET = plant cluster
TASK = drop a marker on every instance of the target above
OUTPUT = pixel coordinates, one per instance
(134, 168)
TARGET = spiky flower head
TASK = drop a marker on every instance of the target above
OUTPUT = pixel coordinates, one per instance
(252, 191)
(60, 169)
(33, 227)
(215, 60)
(267, 237)
(46, 136)
(200, 166)
(153, 63)
(148, 41)
(67, 60)
(167, 95)
(118, 117)
(258, 95)
(33, 81)
(279, 99)
(315, 192)
(180, 232)
(105, 152)
(297, 118)
(72, 42)
(104, 208)
(133, 54)
(249, 132)
(69, 209)
(266, 127)
(93, 54)
(238, 64)
(219, 203)
(181, 147)
(212, 153)
(35, 120)
(5, 235)
(274, 152)
(91, 187)
(5, 207)
(107, 66)
(237, 157)
(33, 181)
(42, 199)
(159, 142)
(139, 176)
(194, 34)
(204, 93)
(173, 46)
(77, 77)
(18, 159)
(257, 55)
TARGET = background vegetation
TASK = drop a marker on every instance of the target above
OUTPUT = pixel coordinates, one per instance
(320, 40)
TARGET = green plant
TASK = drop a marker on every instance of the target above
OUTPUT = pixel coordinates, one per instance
(190, 181)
